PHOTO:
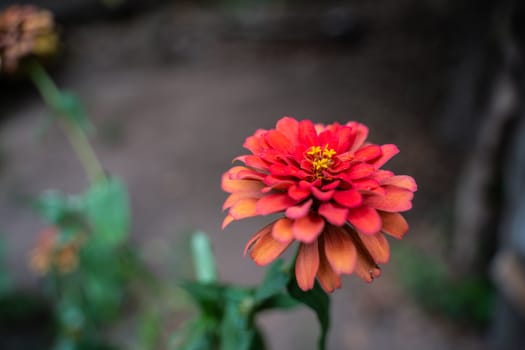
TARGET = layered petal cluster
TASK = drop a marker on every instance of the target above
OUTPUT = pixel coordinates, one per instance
(25, 30)
(335, 199)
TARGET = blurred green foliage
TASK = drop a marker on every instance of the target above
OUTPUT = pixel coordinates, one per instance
(22, 313)
(467, 300)
(5, 279)
(91, 296)
(227, 313)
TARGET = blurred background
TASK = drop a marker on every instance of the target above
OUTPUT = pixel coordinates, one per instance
(174, 88)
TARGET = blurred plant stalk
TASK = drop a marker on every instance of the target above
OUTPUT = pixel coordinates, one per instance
(203, 259)
(68, 120)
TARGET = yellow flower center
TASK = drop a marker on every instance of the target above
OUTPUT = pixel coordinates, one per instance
(321, 159)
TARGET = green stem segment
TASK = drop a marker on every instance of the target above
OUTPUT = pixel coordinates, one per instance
(76, 136)
(203, 259)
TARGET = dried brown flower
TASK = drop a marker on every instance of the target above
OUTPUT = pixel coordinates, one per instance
(50, 253)
(25, 31)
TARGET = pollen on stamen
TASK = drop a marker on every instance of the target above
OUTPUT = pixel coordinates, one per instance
(314, 151)
(321, 159)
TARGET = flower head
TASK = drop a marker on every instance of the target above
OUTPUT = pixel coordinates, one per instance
(50, 253)
(25, 31)
(336, 200)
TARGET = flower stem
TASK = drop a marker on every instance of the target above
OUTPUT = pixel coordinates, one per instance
(84, 151)
(52, 96)
(203, 259)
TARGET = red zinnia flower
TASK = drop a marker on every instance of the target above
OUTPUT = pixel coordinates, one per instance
(336, 200)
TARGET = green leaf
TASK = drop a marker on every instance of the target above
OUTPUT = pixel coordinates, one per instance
(197, 335)
(208, 296)
(104, 286)
(238, 328)
(270, 294)
(278, 301)
(52, 205)
(61, 211)
(317, 300)
(107, 209)
(103, 297)
(274, 282)
(237, 331)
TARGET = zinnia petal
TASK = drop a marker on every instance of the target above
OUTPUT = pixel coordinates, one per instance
(283, 170)
(365, 266)
(299, 211)
(349, 199)
(298, 193)
(365, 184)
(394, 224)
(307, 228)
(255, 143)
(229, 185)
(346, 137)
(326, 137)
(331, 186)
(361, 133)
(365, 219)
(289, 127)
(279, 141)
(257, 236)
(333, 214)
(339, 250)
(307, 265)
(244, 208)
(326, 276)
(235, 197)
(227, 220)
(277, 183)
(273, 203)
(282, 230)
(395, 200)
(366, 269)
(266, 248)
(402, 181)
(253, 161)
(388, 152)
(378, 247)
(367, 153)
(244, 173)
(381, 175)
(322, 195)
(307, 133)
(360, 170)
